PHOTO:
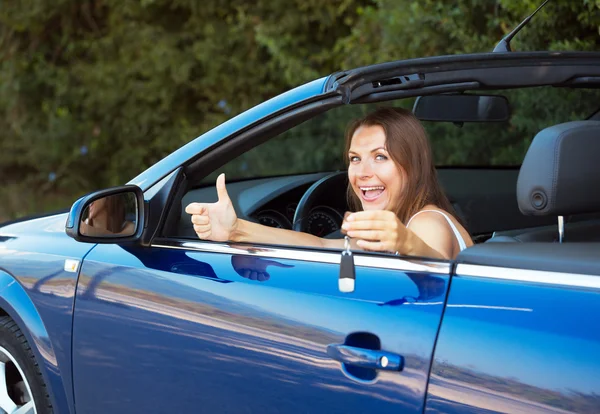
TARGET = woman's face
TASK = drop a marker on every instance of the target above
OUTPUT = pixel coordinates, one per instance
(373, 175)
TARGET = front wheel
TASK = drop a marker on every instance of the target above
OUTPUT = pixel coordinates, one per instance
(22, 388)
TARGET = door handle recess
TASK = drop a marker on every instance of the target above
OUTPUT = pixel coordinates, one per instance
(365, 358)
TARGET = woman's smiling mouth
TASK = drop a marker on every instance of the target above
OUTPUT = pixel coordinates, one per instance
(371, 193)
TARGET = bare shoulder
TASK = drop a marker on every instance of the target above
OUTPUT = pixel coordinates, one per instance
(429, 220)
(430, 216)
(432, 228)
(128, 229)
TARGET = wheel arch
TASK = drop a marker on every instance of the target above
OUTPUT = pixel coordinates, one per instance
(16, 303)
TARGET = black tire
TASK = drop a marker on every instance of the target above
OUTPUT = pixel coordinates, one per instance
(13, 343)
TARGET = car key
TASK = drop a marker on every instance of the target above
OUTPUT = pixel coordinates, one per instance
(347, 277)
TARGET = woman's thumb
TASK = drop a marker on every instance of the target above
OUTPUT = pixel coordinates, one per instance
(221, 190)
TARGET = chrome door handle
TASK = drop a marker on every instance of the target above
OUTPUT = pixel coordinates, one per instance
(365, 358)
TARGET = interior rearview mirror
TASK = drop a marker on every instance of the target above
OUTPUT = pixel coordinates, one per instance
(462, 108)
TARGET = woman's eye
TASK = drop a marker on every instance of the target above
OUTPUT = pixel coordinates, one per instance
(354, 159)
(381, 157)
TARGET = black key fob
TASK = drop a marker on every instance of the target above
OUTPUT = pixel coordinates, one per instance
(347, 277)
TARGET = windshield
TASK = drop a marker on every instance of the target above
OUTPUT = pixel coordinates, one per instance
(317, 145)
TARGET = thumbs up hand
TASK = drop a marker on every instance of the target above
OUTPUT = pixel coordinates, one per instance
(214, 221)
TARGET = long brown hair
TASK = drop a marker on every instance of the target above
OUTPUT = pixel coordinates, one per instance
(408, 146)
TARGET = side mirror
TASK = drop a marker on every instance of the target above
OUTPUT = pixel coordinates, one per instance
(462, 108)
(115, 215)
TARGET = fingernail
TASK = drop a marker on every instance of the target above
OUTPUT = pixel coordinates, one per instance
(350, 217)
(345, 226)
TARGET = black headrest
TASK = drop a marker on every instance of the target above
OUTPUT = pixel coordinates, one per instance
(561, 171)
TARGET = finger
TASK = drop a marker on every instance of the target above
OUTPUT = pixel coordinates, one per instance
(373, 246)
(253, 275)
(221, 190)
(195, 208)
(366, 225)
(202, 228)
(371, 215)
(274, 263)
(262, 276)
(343, 229)
(372, 235)
(198, 219)
(204, 235)
(246, 273)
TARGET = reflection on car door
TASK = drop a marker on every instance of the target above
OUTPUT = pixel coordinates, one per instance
(520, 333)
(203, 327)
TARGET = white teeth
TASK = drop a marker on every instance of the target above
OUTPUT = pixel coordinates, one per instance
(372, 188)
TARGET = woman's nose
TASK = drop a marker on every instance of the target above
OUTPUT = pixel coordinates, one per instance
(365, 169)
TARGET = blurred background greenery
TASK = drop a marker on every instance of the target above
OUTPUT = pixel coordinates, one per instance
(92, 92)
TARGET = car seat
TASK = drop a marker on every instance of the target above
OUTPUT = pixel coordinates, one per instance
(560, 177)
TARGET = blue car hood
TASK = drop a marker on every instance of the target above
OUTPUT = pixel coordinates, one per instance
(53, 225)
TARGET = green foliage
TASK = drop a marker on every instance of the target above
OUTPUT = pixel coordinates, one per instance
(92, 92)
(316, 145)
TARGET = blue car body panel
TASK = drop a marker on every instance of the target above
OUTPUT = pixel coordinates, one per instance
(509, 346)
(37, 292)
(169, 330)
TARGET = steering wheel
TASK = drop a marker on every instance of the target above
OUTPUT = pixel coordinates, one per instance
(330, 186)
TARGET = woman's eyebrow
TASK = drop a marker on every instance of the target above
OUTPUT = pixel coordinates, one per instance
(373, 150)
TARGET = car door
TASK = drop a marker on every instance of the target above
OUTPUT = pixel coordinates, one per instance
(193, 326)
(519, 333)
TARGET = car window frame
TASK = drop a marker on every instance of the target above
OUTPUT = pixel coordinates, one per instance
(336, 93)
(179, 183)
(228, 148)
(362, 258)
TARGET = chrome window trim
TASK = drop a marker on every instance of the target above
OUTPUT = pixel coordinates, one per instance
(360, 259)
(527, 275)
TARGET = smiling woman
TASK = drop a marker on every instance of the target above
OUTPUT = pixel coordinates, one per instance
(391, 177)
(390, 165)
(390, 168)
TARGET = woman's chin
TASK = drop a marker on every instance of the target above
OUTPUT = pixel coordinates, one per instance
(380, 205)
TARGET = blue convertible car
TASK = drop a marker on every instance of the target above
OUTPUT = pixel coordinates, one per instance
(147, 318)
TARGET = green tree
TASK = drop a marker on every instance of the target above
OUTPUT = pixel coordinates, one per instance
(94, 91)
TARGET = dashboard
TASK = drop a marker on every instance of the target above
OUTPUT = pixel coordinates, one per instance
(273, 202)
(322, 220)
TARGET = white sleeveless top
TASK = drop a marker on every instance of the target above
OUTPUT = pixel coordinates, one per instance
(461, 242)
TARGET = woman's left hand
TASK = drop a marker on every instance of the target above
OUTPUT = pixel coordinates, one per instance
(376, 230)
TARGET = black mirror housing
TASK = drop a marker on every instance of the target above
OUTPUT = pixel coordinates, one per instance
(77, 219)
